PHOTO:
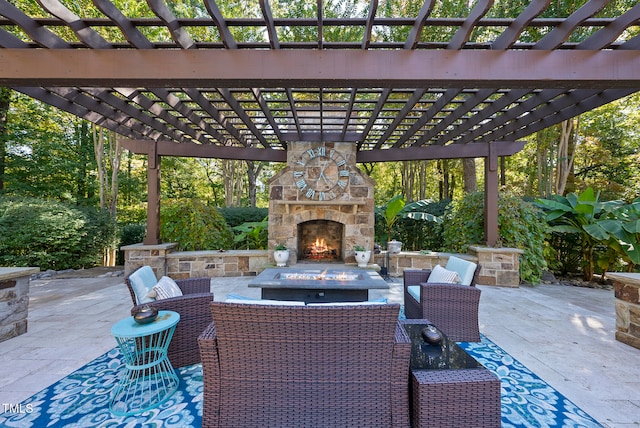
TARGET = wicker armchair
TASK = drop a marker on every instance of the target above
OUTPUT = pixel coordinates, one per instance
(195, 316)
(312, 366)
(453, 308)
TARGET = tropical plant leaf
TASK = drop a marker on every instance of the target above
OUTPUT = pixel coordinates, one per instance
(597, 231)
(423, 216)
(565, 228)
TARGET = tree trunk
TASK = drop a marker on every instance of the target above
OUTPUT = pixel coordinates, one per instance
(253, 171)
(5, 101)
(116, 157)
(98, 149)
(233, 183)
(423, 180)
(565, 155)
(470, 179)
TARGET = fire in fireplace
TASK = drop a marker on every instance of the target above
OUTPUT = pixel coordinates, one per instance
(319, 250)
(320, 240)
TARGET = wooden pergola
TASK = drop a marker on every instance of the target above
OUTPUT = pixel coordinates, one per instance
(399, 88)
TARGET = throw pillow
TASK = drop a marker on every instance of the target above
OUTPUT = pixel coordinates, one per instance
(164, 289)
(441, 275)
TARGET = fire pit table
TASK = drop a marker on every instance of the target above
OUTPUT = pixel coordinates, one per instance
(318, 285)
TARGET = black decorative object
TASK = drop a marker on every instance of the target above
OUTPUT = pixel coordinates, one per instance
(431, 335)
(146, 315)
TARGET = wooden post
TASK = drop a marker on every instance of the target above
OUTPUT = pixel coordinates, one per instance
(491, 233)
(153, 196)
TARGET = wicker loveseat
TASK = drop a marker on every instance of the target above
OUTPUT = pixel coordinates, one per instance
(453, 308)
(312, 366)
(193, 307)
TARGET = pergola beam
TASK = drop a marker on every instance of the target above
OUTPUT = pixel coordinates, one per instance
(326, 68)
(210, 151)
(451, 151)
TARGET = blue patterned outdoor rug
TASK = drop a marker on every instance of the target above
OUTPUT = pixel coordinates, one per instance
(82, 398)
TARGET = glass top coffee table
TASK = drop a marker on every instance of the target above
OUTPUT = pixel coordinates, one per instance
(318, 285)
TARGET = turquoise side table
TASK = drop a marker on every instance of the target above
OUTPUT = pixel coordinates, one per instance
(149, 378)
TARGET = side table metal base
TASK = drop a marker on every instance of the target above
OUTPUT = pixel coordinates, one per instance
(148, 379)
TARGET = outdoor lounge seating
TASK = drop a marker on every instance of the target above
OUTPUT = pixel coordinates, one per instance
(286, 365)
(452, 307)
(193, 307)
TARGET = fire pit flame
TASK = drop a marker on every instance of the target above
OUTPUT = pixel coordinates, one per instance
(319, 276)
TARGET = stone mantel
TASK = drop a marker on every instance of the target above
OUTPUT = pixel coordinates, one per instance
(289, 204)
(626, 287)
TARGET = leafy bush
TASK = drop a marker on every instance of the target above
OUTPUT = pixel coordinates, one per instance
(194, 226)
(520, 225)
(235, 216)
(52, 235)
(415, 234)
(130, 234)
(251, 235)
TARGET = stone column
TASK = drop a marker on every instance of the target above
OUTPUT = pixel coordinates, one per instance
(626, 287)
(14, 300)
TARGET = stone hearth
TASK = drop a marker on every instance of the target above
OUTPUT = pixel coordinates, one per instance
(345, 212)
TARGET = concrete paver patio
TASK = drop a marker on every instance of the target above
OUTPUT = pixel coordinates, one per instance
(563, 334)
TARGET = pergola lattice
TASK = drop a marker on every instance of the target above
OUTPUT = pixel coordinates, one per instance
(252, 86)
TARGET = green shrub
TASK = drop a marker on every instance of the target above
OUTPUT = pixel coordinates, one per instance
(415, 234)
(235, 216)
(52, 235)
(130, 234)
(194, 226)
(520, 225)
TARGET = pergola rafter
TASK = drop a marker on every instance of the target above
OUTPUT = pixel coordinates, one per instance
(245, 87)
(486, 82)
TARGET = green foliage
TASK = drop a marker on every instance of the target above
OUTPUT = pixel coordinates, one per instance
(235, 216)
(194, 226)
(251, 235)
(416, 235)
(390, 213)
(520, 225)
(130, 234)
(613, 224)
(52, 235)
(464, 223)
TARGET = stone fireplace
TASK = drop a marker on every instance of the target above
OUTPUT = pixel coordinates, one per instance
(321, 205)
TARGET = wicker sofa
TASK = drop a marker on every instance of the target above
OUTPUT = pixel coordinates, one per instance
(293, 366)
(193, 307)
(453, 308)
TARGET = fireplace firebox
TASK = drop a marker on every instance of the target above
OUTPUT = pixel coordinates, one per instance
(320, 240)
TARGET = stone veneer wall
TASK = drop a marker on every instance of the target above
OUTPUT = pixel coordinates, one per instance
(14, 301)
(194, 264)
(354, 208)
(626, 287)
(499, 266)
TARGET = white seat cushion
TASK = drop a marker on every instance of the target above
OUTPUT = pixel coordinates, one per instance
(265, 302)
(414, 291)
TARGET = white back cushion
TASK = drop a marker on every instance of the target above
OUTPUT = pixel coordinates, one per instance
(164, 289)
(142, 281)
(464, 268)
(441, 275)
